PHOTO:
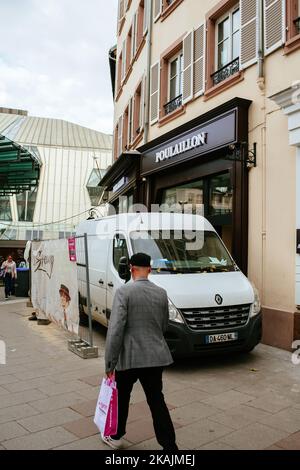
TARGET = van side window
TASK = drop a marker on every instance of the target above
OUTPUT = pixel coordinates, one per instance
(119, 249)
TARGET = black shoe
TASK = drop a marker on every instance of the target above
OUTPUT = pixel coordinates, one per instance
(33, 318)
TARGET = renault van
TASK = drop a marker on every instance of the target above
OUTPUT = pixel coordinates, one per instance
(212, 305)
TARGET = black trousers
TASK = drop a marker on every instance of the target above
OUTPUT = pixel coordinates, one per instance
(9, 283)
(151, 381)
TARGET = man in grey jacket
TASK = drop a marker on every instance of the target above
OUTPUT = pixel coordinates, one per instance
(137, 350)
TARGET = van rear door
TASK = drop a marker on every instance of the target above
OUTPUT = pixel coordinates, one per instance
(118, 248)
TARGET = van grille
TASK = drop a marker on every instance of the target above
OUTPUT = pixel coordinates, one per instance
(216, 318)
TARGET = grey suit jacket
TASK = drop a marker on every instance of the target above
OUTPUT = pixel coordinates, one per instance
(135, 337)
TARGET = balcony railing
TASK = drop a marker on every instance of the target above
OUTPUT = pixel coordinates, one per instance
(297, 24)
(226, 71)
(173, 105)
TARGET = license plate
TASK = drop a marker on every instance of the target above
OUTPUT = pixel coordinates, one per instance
(222, 338)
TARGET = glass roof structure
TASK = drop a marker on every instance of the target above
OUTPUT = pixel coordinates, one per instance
(19, 167)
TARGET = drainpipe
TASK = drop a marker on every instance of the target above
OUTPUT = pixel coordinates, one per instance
(147, 101)
(261, 75)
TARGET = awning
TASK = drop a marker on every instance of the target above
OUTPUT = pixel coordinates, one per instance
(19, 167)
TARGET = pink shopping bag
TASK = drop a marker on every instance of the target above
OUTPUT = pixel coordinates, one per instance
(106, 414)
(111, 427)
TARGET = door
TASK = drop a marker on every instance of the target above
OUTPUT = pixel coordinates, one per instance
(118, 248)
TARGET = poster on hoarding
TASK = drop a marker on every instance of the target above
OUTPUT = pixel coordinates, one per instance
(54, 286)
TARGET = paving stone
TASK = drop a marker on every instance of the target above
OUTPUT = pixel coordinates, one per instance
(43, 440)
(7, 379)
(24, 385)
(271, 402)
(82, 428)
(240, 416)
(16, 412)
(200, 433)
(291, 442)
(192, 412)
(11, 430)
(49, 420)
(216, 445)
(150, 444)
(228, 399)
(288, 420)
(254, 437)
(89, 393)
(57, 389)
(85, 408)
(93, 380)
(139, 431)
(57, 402)
(20, 397)
(91, 443)
(186, 396)
(3, 391)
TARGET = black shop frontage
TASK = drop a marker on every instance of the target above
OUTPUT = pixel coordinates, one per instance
(199, 163)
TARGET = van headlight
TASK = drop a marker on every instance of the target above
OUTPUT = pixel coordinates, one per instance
(174, 314)
(256, 306)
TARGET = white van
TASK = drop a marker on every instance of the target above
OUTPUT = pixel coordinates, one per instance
(213, 306)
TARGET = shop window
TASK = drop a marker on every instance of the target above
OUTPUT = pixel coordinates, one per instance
(220, 197)
(5, 210)
(175, 83)
(227, 49)
(119, 249)
(191, 194)
(26, 205)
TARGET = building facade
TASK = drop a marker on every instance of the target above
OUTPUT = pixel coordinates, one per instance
(73, 161)
(206, 111)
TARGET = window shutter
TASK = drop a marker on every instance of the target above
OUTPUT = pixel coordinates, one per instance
(154, 95)
(142, 110)
(123, 60)
(130, 112)
(199, 60)
(120, 136)
(274, 21)
(249, 32)
(145, 19)
(134, 34)
(157, 9)
(121, 9)
(188, 55)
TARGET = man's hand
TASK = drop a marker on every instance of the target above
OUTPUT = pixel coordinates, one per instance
(110, 374)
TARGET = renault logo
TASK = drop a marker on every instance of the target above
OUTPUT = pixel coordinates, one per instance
(219, 299)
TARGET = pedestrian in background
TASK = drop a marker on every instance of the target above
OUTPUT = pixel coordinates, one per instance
(137, 350)
(9, 269)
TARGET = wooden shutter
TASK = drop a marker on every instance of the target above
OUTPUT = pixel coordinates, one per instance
(188, 60)
(123, 60)
(157, 9)
(130, 114)
(120, 137)
(142, 110)
(249, 32)
(154, 94)
(145, 19)
(274, 22)
(199, 60)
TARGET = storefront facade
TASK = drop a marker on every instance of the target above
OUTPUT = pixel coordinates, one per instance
(192, 167)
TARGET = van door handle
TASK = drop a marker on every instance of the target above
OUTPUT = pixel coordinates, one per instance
(101, 281)
(110, 284)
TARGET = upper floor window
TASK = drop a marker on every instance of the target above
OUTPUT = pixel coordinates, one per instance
(228, 44)
(175, 83)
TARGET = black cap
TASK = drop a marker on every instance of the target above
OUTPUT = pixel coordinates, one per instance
(140, 259)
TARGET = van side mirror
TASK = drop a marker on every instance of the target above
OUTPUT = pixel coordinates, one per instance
(124, 271)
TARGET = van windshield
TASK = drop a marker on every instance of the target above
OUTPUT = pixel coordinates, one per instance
(172, 254)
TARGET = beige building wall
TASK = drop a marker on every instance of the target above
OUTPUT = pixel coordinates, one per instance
(272, 184)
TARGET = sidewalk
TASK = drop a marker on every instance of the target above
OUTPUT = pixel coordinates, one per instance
(48, 395)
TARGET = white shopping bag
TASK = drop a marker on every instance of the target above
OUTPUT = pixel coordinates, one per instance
(103, 404)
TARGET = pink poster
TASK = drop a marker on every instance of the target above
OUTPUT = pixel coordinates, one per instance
(72, 249)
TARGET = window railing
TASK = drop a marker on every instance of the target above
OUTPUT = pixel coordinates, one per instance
(226, 71)
(297, 24)
(173, 105)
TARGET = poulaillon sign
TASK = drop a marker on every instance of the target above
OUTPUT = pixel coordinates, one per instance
(210, 136)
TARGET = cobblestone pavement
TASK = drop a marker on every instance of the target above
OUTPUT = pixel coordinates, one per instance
(48, 395)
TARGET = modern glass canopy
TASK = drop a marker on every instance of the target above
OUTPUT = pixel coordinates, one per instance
(19, 167)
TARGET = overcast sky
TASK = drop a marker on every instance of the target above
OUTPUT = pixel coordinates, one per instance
(54, 59)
